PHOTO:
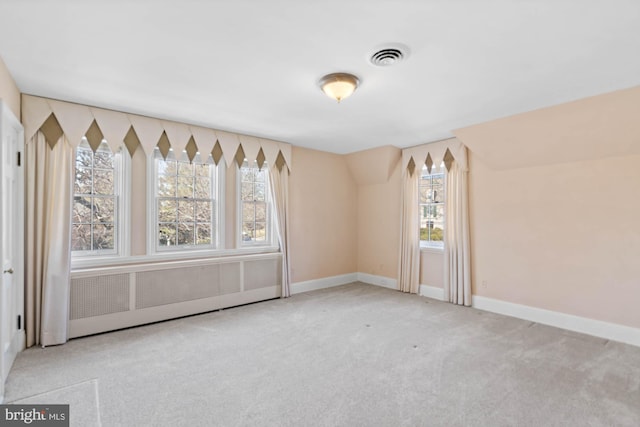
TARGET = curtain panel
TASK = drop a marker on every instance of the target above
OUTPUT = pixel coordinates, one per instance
(49, 188)
(457, 265)
(409, 268)
(279, 181)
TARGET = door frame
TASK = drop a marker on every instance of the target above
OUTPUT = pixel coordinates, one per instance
(10, 123)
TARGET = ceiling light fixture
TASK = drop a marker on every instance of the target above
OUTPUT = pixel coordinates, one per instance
(339, 85)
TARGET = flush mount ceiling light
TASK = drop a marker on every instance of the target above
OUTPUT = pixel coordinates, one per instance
(338, 85)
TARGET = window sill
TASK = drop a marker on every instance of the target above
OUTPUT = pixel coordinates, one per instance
(110, 261)
(432, 249)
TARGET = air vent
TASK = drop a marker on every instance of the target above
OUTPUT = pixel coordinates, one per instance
(386, 57)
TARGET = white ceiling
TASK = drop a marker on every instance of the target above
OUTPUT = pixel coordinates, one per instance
(251, 66)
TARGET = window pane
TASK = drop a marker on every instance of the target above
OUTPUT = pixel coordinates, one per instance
(261, 212)
(83, 158)
(167, 186)
(203, 211)
(247, 174)
(203, 188)
(82, 183)
(95, 200)
(167, 167)
(438, 223)
(248, 211)
(260, 174)
(103, 236)
(103, 209)
(81, 209)
(186, 201)
(246, 191)
(186, 210)
(81, 237)
(103, 160)
(259, 194)
(185, 169)
(102, 181)
(247, 231)
(437, 193)
(185, 233)
(167, 210)
(203, 234)
(167, 234)
(424, 194)
(185, 186)
(431, 208)
(202, 170)
(261, 232)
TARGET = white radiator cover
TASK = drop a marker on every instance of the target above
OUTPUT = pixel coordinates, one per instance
(110, 298)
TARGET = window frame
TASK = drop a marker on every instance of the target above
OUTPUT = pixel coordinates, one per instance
(122, 213)
(271, 240)
(184, 251)
(433, 245)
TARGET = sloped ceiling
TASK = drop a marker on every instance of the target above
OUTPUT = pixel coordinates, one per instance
(251, 67)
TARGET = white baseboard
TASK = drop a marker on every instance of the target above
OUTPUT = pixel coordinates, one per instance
(432, 292)
(325, 282)
(598, 328)
(372, 279)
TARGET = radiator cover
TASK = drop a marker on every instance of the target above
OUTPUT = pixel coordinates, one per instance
(110, 298)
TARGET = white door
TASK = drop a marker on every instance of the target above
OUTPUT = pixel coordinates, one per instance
(12, 337)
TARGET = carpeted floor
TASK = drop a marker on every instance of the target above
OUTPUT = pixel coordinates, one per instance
(354, 355)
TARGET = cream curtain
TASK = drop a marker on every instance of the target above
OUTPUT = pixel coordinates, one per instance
(48, 239)
(279, 181)
(409, 268)
(457, 272)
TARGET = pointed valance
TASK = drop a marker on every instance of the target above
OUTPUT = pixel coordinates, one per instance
(434, 155)
(128, 131)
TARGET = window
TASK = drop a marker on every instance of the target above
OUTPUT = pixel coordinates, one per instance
(97, 202)
(431, 197)
(185, 204)
(254, 199)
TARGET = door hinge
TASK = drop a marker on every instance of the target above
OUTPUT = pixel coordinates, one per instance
(19, 322)
(19, 158)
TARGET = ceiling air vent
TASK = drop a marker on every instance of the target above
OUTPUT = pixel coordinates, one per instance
(386, 57)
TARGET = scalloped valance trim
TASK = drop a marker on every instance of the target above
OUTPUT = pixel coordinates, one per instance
(128, 131)
(435, 155)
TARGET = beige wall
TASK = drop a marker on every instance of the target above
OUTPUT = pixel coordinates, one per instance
(9, 92)
(379, 226)
(323, 208)
(561, 237)
(432, 267)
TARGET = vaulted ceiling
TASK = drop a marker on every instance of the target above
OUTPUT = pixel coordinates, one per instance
(252, 66)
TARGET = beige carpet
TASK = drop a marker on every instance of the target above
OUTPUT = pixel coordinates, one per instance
(82, 399)
(354, 355)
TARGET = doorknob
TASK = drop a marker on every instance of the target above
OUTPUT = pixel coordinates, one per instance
(10, 271)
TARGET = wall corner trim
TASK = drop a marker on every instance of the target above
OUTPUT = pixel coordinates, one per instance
(323, 283)
(371, 279)
(597, 328)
